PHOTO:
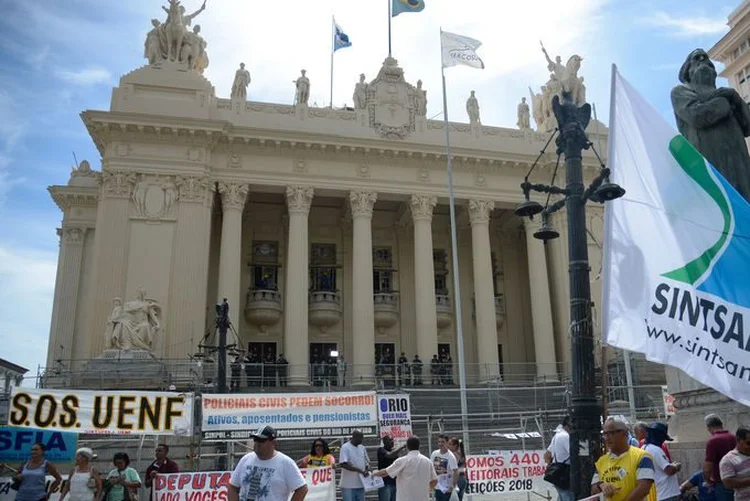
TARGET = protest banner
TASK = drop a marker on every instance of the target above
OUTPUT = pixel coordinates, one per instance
(212, 486)
(236, 416)
(102, 412)
(15, 444)
(394, 417)
(8, 494)
(507, 471)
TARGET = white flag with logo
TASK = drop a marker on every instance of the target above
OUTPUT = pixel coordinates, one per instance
(677, 252)
(458, 49)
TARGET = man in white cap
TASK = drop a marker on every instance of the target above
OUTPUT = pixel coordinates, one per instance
(266, 474)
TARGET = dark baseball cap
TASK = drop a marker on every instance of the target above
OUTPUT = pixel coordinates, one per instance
(662, 429)
(265, 433)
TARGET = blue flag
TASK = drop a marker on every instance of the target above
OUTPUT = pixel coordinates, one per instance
(340, 39)
(400, 6)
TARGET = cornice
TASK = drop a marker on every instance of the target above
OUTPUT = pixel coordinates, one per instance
(108, 127)
(74, 196)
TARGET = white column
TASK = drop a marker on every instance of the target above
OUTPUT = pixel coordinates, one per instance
(62, 327)
(189, 277)
(233, 198)
(424, 279)
(484, 290)
(296, 345)
(361, 203)
(111, 244)
(541, 307)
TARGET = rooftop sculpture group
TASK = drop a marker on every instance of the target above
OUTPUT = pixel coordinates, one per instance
(563, 78)
(172, 42)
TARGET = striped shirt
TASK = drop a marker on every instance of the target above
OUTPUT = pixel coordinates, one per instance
(736, 464)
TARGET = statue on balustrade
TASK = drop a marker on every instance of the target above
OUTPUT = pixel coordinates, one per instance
(472, 108)
(360, 93)
(303, 89)
(241, 81)
(134, 325)
(524, 123)
(715, 121)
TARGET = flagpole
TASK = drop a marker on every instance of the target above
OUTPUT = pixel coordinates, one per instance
(454, 250)
(333, 49)
(389, 27)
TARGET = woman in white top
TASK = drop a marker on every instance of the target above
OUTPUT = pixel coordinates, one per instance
(84, 482)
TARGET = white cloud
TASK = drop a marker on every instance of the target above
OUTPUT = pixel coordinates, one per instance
(686, 27)
(86, 76)
(27, 282)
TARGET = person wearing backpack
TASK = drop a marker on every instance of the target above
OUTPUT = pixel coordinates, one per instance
(557, 457)
(32, 476)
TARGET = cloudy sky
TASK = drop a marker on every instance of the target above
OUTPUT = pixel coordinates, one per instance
(59, 58)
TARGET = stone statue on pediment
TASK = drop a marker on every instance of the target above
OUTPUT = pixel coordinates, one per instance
(524, 122)
(421, 100)
(171, 40)
(241, 81)
(564, 78)
(472, 109)
(536, 109)
(134, 325)
(302, 85)
(360, 93)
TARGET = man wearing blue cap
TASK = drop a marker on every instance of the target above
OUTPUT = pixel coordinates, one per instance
(665, 472)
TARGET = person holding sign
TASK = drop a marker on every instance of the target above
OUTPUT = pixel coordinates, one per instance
(446, 468)
(84, 482)
(122, 480)
(33, 476)
(320, 456)
(354, 462)
(161, 465)
(266, 474)
(386, 456)
(414, 473)
(626, 473)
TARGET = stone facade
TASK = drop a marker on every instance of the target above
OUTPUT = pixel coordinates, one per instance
(322, 227)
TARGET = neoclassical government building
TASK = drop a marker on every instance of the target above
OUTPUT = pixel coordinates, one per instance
(326, 229)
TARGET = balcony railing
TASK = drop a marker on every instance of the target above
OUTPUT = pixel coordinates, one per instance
(443, 310)
(386, 310)
(324, 309)
(263, 307)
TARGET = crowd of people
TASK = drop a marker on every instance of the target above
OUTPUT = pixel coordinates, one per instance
(407, 474)
(85, 482)
(638, 464)
(325, 371)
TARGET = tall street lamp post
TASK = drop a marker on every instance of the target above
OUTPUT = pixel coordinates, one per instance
(585, 408)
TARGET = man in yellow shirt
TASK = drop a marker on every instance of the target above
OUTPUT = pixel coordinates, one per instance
(625, 473)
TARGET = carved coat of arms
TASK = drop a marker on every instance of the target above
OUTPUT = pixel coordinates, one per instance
(391, 102)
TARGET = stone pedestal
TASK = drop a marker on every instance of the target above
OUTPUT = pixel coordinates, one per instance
(124, 370)
(693, 401)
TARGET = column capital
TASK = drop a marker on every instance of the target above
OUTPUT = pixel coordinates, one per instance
(421, 207)
(479, 211)
(73, 235)
(299, 199)
(198, 189)
(233, 195)
(362, 202)
(117, 183)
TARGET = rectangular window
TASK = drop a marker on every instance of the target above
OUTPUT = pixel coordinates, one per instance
(382, 269)
(264, 265)
(323, 267)
(440, 263)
